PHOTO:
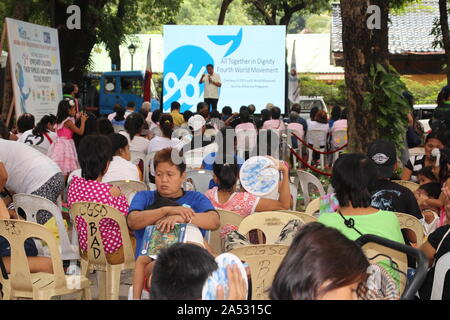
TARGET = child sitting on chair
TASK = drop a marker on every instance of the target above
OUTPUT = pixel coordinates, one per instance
(426, 175)
(430, 213)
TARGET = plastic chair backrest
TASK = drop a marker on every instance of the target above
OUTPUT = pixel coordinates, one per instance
(194, 158)
(16, 232)
(129, 187)
(226, 217)
(137, 156)
(313, 207)
(269, 222)
(305, 179)
(407, 221)
(246, 139)
(296, 128)
(339, 138)
(315, 137)
(117, 128)
(303, 216)
(263, 260)
(408, 184)
(440, 271)
(200, 179)
(372, 249)
(294, 192)
(147, 169)
(31, 204)
(93, 213)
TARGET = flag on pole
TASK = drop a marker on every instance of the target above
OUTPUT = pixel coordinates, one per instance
(294, 90)
(148, 74)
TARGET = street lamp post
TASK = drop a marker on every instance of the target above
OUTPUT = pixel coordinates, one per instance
(132, 50)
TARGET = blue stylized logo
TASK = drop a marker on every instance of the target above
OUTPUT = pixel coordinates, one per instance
(184, 67)
(223, 40)
(23, 33)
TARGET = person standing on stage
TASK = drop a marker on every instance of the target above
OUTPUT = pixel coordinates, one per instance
(212, 84)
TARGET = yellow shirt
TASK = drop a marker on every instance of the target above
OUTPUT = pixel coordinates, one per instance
(177, 117)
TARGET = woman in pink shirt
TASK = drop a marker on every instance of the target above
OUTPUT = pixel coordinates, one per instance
(243, 203)
(95, 154)
(277, 122)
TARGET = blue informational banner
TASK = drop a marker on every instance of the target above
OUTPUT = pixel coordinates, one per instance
(250, 61)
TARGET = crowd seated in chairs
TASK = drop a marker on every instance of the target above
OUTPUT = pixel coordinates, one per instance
(220, 215)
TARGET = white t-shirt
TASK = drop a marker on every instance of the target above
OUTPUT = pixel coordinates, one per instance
(28, 169)
(211, 90)
(112, 115)
(314, 125)
(121, 169)
(139, 144)
(41, 141)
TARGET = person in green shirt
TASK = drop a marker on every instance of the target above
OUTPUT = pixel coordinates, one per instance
(353, 174)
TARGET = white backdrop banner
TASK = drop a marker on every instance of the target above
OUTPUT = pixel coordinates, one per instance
(36, 68)
(249, 59)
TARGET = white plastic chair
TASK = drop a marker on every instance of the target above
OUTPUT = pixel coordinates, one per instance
(31, 204)
(136, 156)
(440, 271)
(129, 187)
(315, 137)
(200, 179)
(306, 179)
(194, 158)
(338, 140)
(294, 192)
(117, 128)
(296, 128)
(246, 141)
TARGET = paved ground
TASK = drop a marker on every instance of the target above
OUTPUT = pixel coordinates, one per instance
(126, 281)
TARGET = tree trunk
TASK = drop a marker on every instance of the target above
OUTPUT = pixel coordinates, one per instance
(223, 11)
(114, 52)
(362, 48)
(75, 45)
(443, 15)
(20, 13)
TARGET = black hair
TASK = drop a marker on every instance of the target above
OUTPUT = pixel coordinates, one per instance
(64, 107)
(155, 116)
(104, 126)
(41, 126)
(68, 88)
(200, 106)
(144, 113)
(444, 94)
(443, 165)
(312, 113)
(438, 135)
(251, 109)
(131, 105)
(265, 114)
(25, 122)
(180, 272)
(318, 254)
(4, 131)
(352, 180)
(275, 112)
(118, 142)
(120, 114)
(175, 105)
(215, 114)
(428, 173)
(94, 152)
(344, 114)
(227, 111)
(134, 124)
(90, 127)
(244, 115)
(336, 113)
(295, 107)
(117, 107)
(187, 114)
(166, 125)
(242, 108)
(433, 189)
(227, 174)
(209, 65)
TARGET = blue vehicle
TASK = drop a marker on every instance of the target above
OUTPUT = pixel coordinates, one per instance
(118, 87)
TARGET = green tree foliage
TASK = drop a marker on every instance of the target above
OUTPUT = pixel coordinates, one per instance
(319, 24)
